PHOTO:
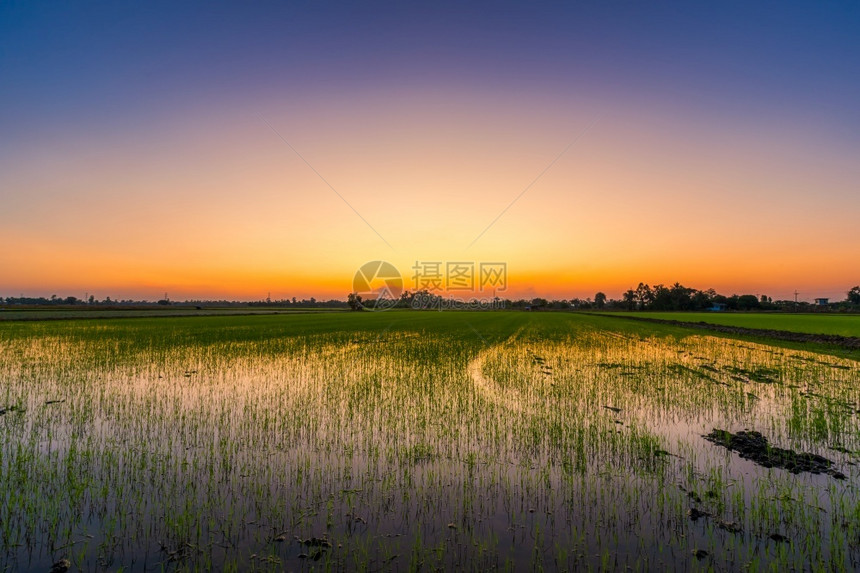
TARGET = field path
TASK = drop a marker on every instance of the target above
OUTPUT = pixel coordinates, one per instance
(509, 398)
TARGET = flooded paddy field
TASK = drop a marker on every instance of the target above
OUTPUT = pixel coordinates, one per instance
(410, 440)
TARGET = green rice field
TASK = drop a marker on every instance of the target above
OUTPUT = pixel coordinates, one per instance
(408, 440)
(840, 324)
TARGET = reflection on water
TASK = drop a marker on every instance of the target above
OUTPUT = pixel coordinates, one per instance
(557, 448)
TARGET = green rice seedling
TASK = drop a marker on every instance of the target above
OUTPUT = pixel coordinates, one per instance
(356, 441)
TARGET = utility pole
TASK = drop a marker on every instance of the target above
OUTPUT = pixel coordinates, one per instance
(795, 300)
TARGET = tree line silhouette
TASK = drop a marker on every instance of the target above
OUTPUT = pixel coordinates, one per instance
(643, 297)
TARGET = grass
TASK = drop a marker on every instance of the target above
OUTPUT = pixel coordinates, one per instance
(839, 324)
(407, 440)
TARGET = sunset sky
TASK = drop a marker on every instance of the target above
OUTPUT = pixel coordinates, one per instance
(211, 151)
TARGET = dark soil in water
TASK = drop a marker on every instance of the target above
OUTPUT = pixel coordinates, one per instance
(755, 447)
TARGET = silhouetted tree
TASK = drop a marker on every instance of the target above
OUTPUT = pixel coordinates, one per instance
(700, 300)
(354, 301)
(680, 297)
(661, 298)
(748, 302)
(600, 300)
(854, 295)
(644, 295)
(630, 299)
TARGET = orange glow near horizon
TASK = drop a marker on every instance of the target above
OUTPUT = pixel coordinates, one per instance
(214, 205)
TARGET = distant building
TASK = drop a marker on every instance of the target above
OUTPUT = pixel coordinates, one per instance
(718, 307)
(822, 301)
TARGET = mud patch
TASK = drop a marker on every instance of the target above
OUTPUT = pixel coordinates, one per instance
(755, 447)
